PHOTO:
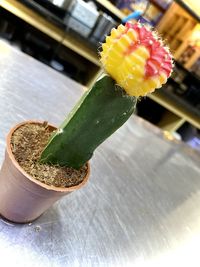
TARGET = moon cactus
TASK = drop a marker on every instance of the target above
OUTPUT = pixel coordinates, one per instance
(136, 63)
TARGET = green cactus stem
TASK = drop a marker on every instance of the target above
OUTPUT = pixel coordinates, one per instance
(98, 114)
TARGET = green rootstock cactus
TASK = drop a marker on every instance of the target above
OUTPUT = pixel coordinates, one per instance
(99, 113)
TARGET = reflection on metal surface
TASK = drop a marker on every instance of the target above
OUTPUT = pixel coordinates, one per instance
(4, 49)
(140, 207)
(3, 220)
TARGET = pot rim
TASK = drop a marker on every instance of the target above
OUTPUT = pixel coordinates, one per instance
(16, 164)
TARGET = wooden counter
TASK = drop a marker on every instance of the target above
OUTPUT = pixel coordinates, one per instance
(176, 114)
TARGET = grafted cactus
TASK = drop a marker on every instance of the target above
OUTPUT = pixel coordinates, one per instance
(137, 63)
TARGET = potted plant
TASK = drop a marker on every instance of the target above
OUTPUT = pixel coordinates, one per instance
(43, 163)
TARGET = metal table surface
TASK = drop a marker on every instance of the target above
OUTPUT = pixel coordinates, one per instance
(141, 205)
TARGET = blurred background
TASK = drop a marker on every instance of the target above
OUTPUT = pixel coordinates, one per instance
(67, 35)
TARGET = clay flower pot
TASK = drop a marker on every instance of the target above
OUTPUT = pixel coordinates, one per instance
(22, 198)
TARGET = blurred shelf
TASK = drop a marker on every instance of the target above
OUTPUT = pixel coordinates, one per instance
(179, 110)
(187, 8)
(110, 7)
(157, 4)
(178, 114)
(43, 25)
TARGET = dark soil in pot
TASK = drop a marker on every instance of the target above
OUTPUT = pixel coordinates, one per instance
(27, 144)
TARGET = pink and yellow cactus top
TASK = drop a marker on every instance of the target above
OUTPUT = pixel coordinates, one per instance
(136, 59)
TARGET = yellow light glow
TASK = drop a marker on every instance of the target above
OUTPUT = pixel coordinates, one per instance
(194, 5)
(195, 36)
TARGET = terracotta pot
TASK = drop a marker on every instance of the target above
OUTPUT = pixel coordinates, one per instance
(22, 198)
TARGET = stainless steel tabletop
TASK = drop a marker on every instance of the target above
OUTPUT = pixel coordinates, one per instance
(141, 206)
